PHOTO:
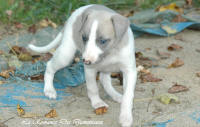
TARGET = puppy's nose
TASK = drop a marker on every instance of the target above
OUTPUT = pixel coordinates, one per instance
(87, 62)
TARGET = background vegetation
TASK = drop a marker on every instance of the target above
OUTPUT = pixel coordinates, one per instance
(32, 11)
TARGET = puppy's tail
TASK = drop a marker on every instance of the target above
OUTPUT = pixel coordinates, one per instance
(48, 47)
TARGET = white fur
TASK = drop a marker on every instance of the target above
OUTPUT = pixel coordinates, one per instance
(46, 48)
(65, 53)
(92, 50)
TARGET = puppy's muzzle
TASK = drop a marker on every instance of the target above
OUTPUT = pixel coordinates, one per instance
(87, 62)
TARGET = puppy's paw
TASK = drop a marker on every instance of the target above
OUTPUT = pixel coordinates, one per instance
(99, 105)
(50, 93)
(125, 119)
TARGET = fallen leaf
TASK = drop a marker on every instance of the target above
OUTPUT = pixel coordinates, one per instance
(6, 73)
(37, 77)
(42, 57)
(20, 110)
(179, 18)
(163, 55)
(1, 52)
(176, 88)
(169, 29)
(101, 110)
(25, 57)
(2, 82)
(16, 50)
(18, 25)
(198, 74)
(129, 13)
(168, 98)
(149, 78)
(188, 2)
(138, 54)
(198, 50)
(51, 23)
(3, 125)
(174, 47)
(51, 114)
(44, 23)
(145, 61)
(142, 69)
(172, 7)
(32, 29)
(177, 63)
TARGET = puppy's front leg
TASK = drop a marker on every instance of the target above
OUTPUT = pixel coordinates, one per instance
(92, 89)
(130, 76)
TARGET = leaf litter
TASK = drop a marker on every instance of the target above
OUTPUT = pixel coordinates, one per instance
(177, 63)
(176, 88)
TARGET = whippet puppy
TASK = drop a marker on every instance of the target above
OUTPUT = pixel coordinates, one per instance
(106, 42)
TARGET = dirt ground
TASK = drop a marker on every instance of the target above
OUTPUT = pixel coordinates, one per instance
(76, 109)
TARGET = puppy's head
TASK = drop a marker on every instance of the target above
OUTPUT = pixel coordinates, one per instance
(100, 32)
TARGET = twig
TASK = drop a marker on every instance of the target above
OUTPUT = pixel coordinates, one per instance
(8, 119)
(9, 46)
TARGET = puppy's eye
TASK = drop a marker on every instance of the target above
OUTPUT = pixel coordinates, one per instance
(104, 41)
(84, 38)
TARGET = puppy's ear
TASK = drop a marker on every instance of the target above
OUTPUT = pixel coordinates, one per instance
(84, 19)
(120, 24)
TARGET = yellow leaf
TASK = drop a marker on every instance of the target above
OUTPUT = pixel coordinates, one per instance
(20, 110)
(169, 30)
(172, 7)
(167, 98)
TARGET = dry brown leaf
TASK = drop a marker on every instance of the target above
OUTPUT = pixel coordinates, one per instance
(3, 125)
(198, 74)
(198, 50)
(51, 114)
(20, 111)
(138, 54)
(25, 57)
(163, 55)
(32, 29)
(177, 63)
(149, 78)
(174, 47)
(176, 88)
(18, 25)
(39, 77)
(18, 50)
(6, 73)
(101, 110)
(188, 2)
(1, 52)
(179, 18)
(129, 13)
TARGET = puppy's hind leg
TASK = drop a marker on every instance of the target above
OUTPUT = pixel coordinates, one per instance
(61, 58)
(105, 80)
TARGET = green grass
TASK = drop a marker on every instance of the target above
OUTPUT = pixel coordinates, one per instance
(32, 11)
